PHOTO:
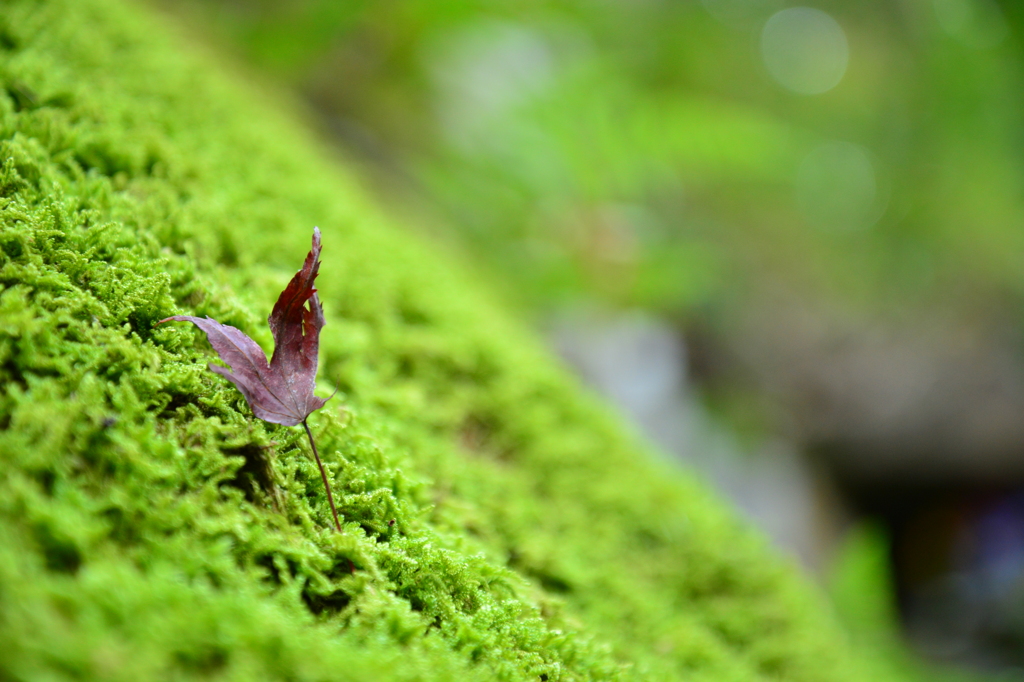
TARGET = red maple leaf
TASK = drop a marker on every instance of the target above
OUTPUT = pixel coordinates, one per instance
(280, 391)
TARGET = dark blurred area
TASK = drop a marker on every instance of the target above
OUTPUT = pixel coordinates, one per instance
(787, 240)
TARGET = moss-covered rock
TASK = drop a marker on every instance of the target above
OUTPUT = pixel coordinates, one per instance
(498, 523)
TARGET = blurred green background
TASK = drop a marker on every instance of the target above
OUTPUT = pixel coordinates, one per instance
(787, 240)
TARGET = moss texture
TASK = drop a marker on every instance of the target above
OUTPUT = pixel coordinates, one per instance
(498, 523)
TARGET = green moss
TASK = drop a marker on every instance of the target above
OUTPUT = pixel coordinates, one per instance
(498, 523)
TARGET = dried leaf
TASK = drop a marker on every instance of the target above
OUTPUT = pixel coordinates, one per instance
(280, 391)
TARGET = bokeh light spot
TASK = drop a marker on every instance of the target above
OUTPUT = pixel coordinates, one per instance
(805, 50)
(482, 72)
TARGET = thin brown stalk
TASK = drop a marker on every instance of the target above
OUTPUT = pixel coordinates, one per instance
(323, 475)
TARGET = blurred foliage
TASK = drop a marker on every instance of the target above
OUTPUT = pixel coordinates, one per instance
(641, 153)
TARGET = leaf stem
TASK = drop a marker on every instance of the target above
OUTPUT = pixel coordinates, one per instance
(323, 475)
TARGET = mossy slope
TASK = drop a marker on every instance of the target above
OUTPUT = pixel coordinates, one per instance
(498, 523)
